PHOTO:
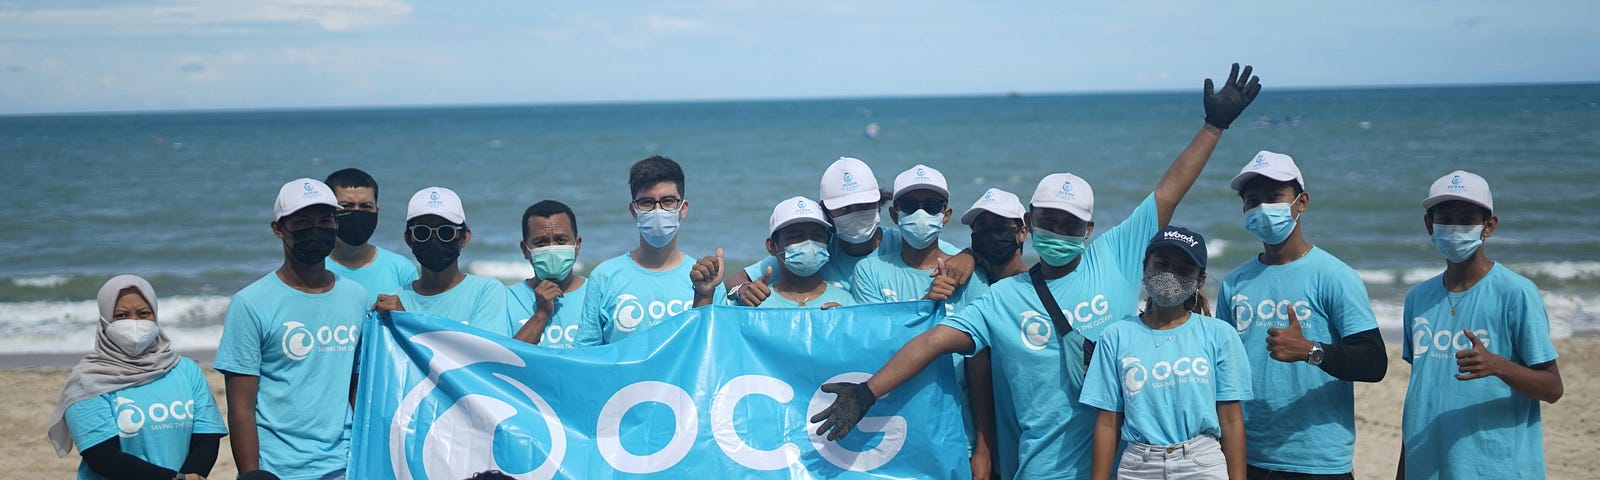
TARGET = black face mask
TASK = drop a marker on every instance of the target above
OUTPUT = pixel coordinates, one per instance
(995, 246)
(311, 245)
(356, 226)
(435, 255)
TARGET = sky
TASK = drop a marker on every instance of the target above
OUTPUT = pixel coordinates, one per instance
(66, 56)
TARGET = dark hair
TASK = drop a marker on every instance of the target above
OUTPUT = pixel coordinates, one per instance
(547, 209)
(352, 178)
(491, 475)
(1271, 182)
(655, 169)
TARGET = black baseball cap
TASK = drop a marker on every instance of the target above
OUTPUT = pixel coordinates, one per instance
(1187, 240)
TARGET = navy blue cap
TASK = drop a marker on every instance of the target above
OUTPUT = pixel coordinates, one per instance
(1187, 240)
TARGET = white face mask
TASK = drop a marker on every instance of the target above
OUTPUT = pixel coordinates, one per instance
(856, 227)
(133, 336)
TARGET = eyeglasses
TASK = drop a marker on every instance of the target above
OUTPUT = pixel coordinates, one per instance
(670, 204)
(930, 205)
(445, 233)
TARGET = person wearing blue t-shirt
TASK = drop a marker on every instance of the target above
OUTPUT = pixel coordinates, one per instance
(798, 235)
(998, 232)
(1042, 369)
(377, 269)
(288, 348)
(1478, 342)
(547, 309)
(135, 408)
(644, 287)
(1308, 328)
(850, 200)
(436, 231)
(921, 207)
(1169, 380)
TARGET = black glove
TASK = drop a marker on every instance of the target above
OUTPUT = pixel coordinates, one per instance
(848, 407)
(1225, 106)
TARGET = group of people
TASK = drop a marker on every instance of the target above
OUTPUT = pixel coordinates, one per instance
(1062, 364)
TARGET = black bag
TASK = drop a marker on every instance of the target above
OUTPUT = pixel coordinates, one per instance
(1063, 327)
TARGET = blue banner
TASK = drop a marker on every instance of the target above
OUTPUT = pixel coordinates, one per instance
(716, 392)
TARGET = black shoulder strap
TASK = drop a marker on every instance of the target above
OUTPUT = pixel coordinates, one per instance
(1036, 274)
(1063, 327)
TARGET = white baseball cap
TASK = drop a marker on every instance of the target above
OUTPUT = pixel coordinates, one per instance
(848, 181)
(1460, 185)
(1067, 192)
(795, 210)
(1275, 166)
(920, 177)
(996, 201)
(302, 193)
(436, 201)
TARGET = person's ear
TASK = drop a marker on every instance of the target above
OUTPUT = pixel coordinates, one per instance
(1089, 231)
(526, 254)
(683, 210)
(277, 231)
(577, 245)
(772, 247)
(466, 237)
(1305, 202)
(1488, 226)
(1427, 223)
(894, 215)
(945, 216)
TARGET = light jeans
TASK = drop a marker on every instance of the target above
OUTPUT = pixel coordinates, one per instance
(1196, 458)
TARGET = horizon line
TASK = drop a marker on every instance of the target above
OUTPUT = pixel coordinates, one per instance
(579, 103)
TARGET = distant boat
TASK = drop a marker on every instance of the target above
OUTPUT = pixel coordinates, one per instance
(872, 131)
(1013, 94)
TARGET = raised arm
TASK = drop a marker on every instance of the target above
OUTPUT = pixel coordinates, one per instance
(1222, 107)
(853, 399)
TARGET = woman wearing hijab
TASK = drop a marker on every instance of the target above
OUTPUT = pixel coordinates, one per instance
(1169, 380)
(135, 409)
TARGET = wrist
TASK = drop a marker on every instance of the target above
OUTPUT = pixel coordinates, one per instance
(1317, 355)
(733, 293)
(1212, 129)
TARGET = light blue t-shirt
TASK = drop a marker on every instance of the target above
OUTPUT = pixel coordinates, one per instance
(1166, 383)
(478, 301)
(1302, 419)
(153, 421)
(841, 266)
(832, 294)
(1479, 428)
(387, 272)
(886, 278)
(1037, 437)
(565, 329)
(302, 348)
(625, 299)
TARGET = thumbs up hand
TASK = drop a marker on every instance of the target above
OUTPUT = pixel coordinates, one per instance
(705, 276)
(943, 284)
(1289, 344)
(1478, 362)
(757, 291)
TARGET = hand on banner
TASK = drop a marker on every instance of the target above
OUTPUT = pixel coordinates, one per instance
(757, 291)
(849, 406)
(1477, 362)
(1222, 107)
(388, 303)
(943, 284)
(706, 275)
(829, 305)
(1289, 344)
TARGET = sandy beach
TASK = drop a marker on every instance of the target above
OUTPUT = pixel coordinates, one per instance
(1569, 425)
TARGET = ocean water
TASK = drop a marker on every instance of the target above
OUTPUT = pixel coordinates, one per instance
(185, 198)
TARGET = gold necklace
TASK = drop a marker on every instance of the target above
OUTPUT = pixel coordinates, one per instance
(1163, 342)
(1454, 300)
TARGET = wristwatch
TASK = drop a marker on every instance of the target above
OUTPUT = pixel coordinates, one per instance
(1315, 358)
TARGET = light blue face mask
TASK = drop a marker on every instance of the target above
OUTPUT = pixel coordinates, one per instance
(1271, 222)
(1457, 242)
(805, 258)
(553, 262)
(920, 228)
(658, 227)
(1056, 249)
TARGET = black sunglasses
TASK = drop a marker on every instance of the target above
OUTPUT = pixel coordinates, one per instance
(930, 205)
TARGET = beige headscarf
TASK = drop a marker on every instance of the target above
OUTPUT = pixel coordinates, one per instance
(108, 368)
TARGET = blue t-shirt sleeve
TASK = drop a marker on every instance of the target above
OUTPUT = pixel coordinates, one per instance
(864, 287)
(1129, 238)
(1232, 365)
(594, 304)
(239, 349)
(207, 417)
(970, 320)
(1100, 386)
(1532, 327)
(1224, 311)
(91, 422)
(1346, 296)
(1405, 325)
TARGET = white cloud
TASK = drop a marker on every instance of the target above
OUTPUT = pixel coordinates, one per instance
(202, 17)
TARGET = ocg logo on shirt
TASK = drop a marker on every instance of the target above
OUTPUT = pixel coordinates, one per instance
(1441, 344)
(1269, 310)
(1164, 374)
(131, 417)
(298, 341)
(1036, 330)
(1089, 314)
(629, 312)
